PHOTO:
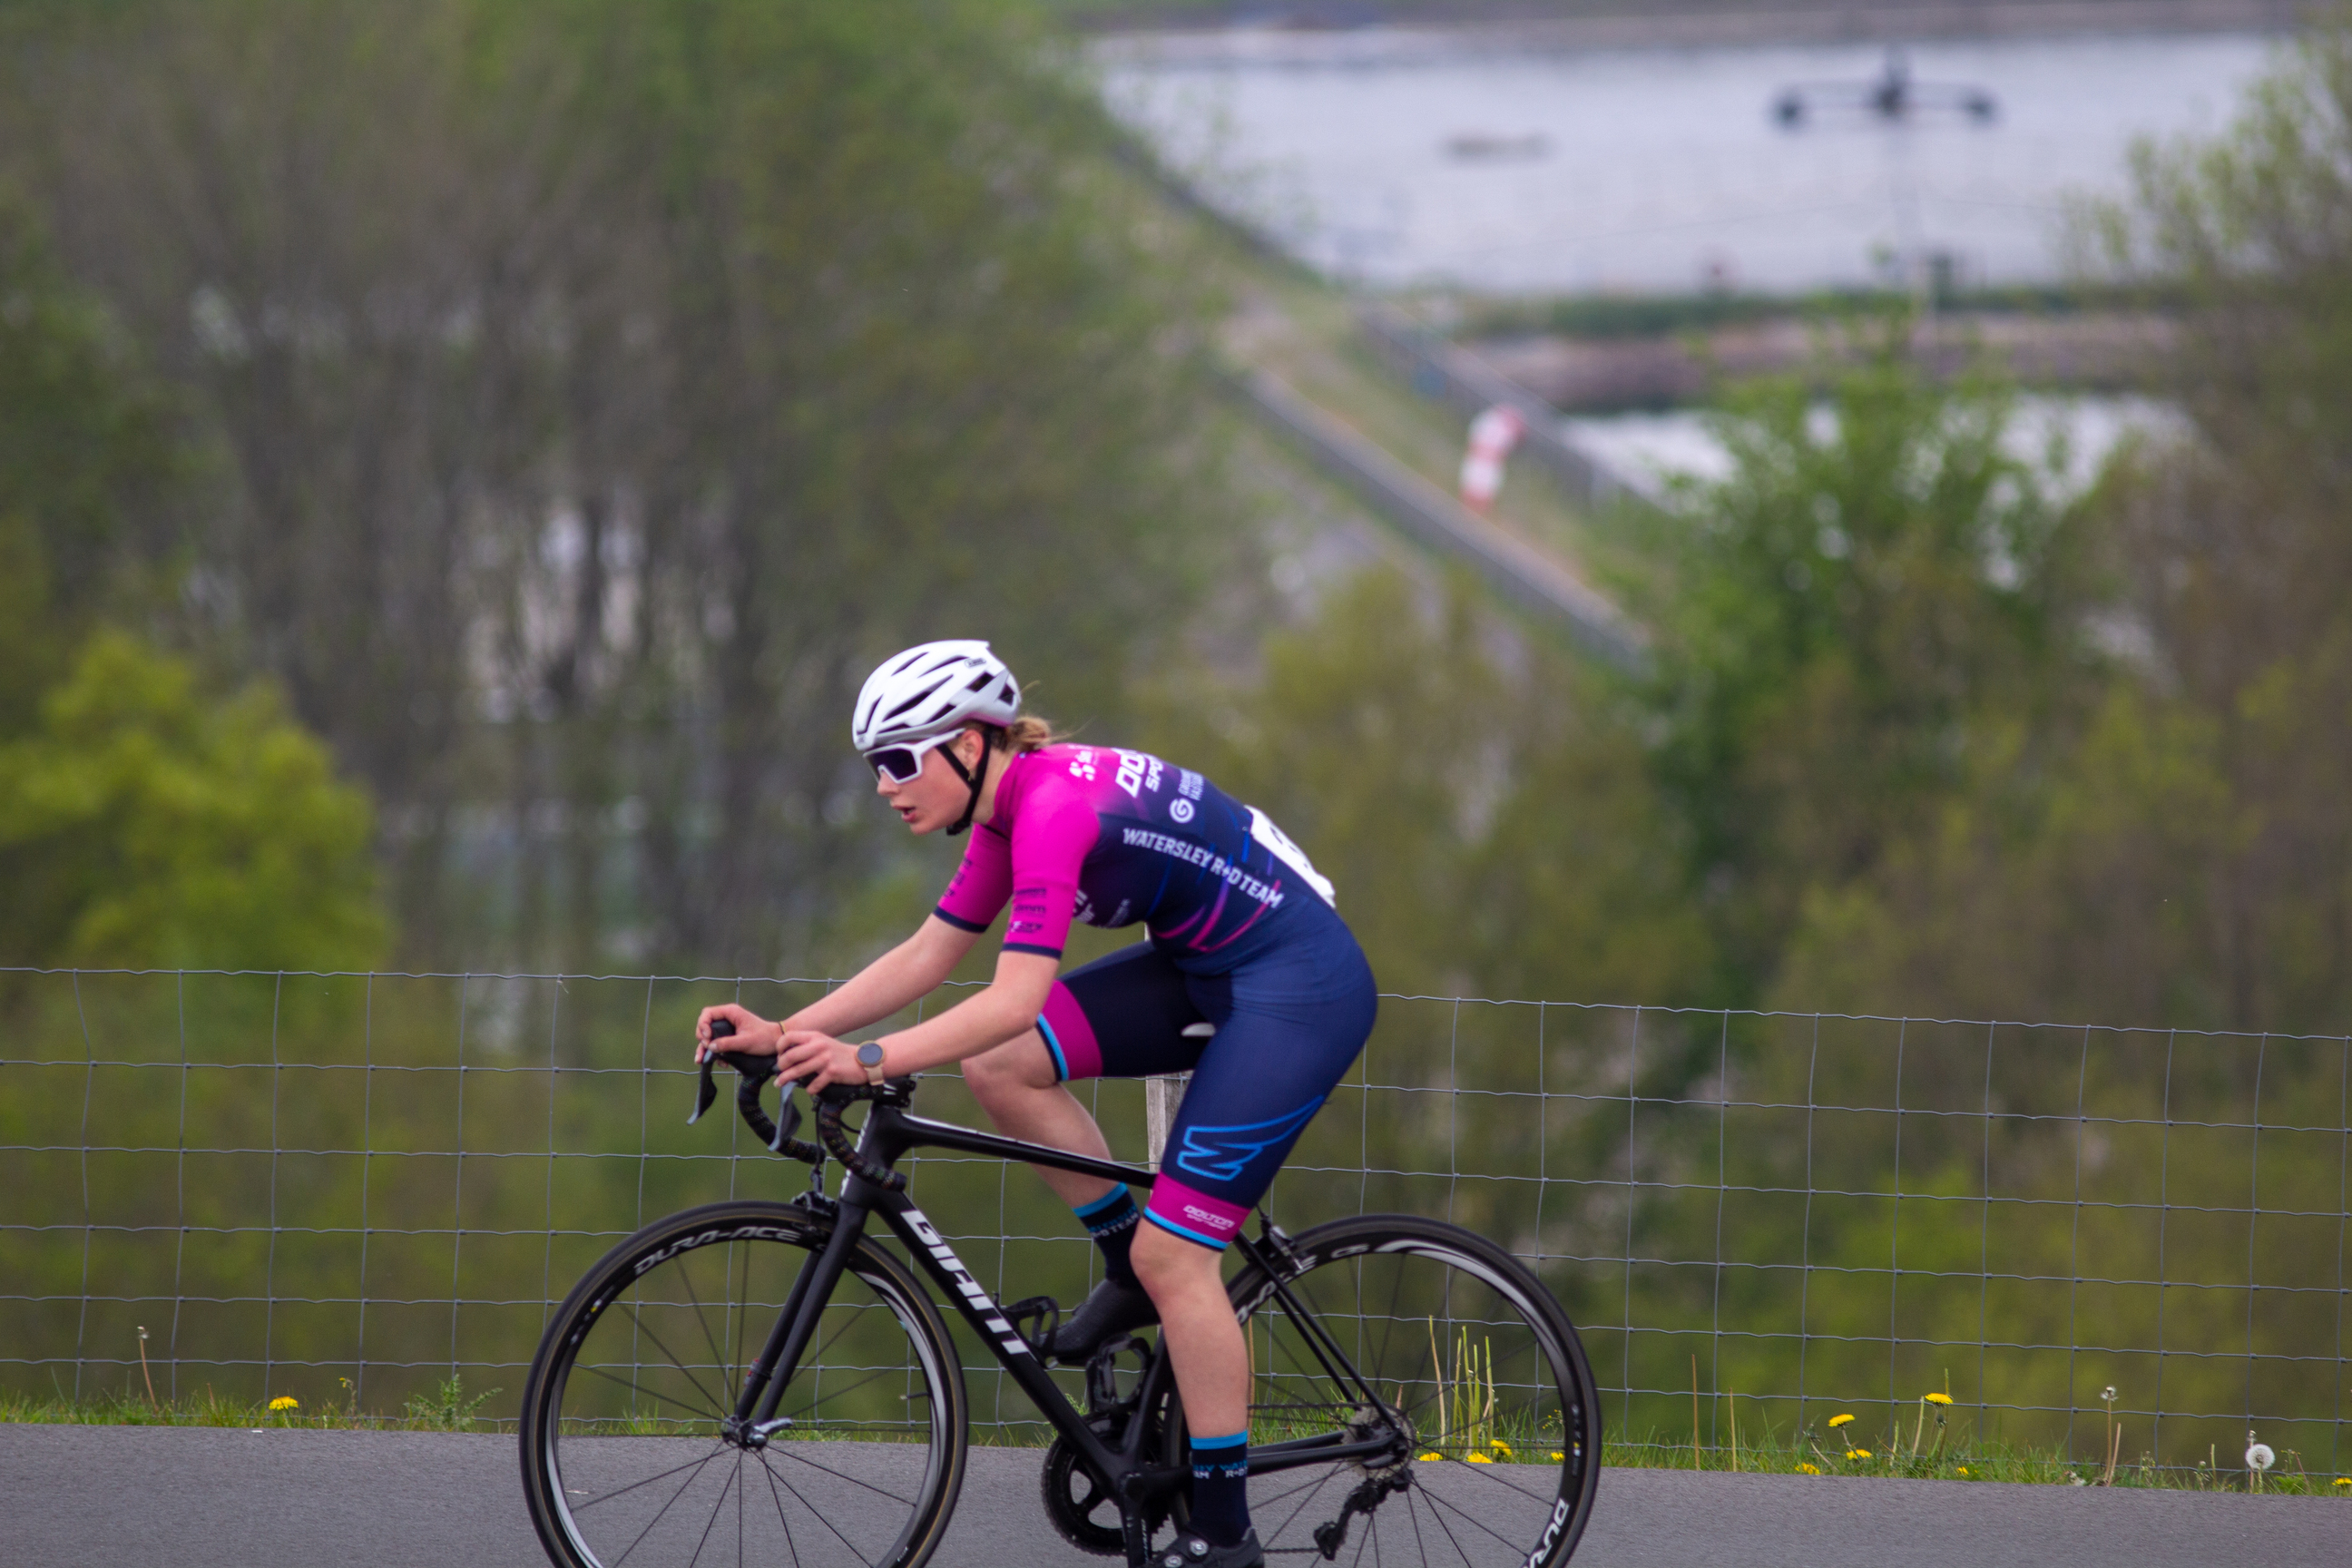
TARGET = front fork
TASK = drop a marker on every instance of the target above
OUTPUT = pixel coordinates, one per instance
(755, 1419)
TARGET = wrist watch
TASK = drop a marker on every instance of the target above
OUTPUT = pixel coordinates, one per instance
(869, 1056)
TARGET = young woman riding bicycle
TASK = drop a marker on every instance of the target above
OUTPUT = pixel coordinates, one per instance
(1249, 980)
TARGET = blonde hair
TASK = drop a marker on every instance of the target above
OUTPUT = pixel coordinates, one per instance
(1026, 733)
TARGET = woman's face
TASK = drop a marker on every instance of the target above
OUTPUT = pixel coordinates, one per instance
(934, 798)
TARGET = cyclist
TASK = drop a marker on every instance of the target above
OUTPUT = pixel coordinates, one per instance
(1249, 980)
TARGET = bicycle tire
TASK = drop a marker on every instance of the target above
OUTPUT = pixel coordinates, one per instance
(1418, 1308)
(639, 1366)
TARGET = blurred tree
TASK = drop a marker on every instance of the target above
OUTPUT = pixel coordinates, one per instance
(2185, 857)
(1877, 576)
(141, 821)
(88, 452)
(1481, 811)
(144, 825)
(602, 389)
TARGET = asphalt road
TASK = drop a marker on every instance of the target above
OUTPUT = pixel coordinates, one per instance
(195, 1498)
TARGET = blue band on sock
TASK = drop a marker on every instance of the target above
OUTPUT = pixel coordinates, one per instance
(1229, 1441)
(1113, 1215)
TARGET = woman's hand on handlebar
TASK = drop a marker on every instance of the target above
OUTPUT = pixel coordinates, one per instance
(753, 1035)
(804, 1052)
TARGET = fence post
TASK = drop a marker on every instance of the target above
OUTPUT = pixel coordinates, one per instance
(1162, 1096)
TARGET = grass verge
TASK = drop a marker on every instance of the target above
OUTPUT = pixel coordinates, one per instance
(448, 1408)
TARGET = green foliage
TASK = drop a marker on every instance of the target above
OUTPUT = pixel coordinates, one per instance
(448, 1408)
(1484, 817)
(2162, 839)
(644, 374)
(1875, 580)
(142, 824)
(142, 820)
(86, 448)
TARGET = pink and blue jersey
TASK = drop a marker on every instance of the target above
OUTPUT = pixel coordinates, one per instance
(1251, 982)
(1111, 837)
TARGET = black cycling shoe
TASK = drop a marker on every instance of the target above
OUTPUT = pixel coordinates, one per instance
(1189, 1551)
(1111, 1308)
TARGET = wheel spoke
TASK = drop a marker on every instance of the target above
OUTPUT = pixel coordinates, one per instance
(1459, 1342)
(841, 1475)
(782, 1522)
(1467, 1517)
(645, 1476)
(718, 1358)
(664, 1509)
(813, 1509)
(685, 1371)
(634, 1386)
(720, 1502)
(649, 1480)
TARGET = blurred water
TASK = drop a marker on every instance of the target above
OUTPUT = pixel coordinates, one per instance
(2067, 439)
(1658, 170)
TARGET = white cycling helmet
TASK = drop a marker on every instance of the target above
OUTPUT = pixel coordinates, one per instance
(930, 690)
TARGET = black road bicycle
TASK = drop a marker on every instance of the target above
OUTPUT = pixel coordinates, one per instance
(752, 1382)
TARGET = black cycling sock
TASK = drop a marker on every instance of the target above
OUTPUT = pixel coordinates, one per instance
(1220, 1487)
(1111, 1220)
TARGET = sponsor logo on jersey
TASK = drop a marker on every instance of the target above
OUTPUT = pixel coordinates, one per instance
(1139, 771)
(1267, 893)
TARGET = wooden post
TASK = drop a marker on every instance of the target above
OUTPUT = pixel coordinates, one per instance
(1162, 1096)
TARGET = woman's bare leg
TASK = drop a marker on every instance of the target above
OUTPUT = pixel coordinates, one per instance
(1015, 1084)
(1204, 1341)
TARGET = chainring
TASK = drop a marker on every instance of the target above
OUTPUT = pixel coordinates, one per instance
(1074, 1499)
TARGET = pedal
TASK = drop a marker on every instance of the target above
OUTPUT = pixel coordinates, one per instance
(1102, 1372)
(1044, 1308)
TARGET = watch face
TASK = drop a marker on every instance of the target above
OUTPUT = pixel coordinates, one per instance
(870, 1055)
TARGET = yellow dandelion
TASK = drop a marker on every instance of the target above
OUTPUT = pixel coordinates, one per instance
(2340, 1480)
(1809, 1468)
(1836, 1421)
(1964, 1470)
(1478, 1460)
(1558, 1455)
(1500, 1447)
(1857, 1453)
(1939, 1399)
(286, 1401)
(1433, 1456)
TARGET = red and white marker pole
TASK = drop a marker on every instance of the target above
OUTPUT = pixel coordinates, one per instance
(1492, 436)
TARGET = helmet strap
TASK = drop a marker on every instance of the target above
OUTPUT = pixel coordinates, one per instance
(976, 779)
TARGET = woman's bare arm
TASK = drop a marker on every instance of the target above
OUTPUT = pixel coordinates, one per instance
(912, 969)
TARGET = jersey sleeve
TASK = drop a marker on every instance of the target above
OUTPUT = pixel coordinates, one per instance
(982, 881)
(1057, 828)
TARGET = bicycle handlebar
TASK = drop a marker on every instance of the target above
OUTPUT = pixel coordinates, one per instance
(755, 1072)
(829, 1104)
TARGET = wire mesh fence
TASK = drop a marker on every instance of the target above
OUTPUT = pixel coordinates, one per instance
(350, 1188)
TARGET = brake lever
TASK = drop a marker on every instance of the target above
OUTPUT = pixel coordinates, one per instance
(707, 1092)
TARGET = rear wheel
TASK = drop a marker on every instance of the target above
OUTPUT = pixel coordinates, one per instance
(628, 1449)
(1442, 1355)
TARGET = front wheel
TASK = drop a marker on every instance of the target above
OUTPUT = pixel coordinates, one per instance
(1450, 1373)
(628, 1451)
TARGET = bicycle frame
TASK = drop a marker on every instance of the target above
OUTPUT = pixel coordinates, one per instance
(890, 1132)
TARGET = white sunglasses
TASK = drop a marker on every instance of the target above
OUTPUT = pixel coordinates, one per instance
(904, 765)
